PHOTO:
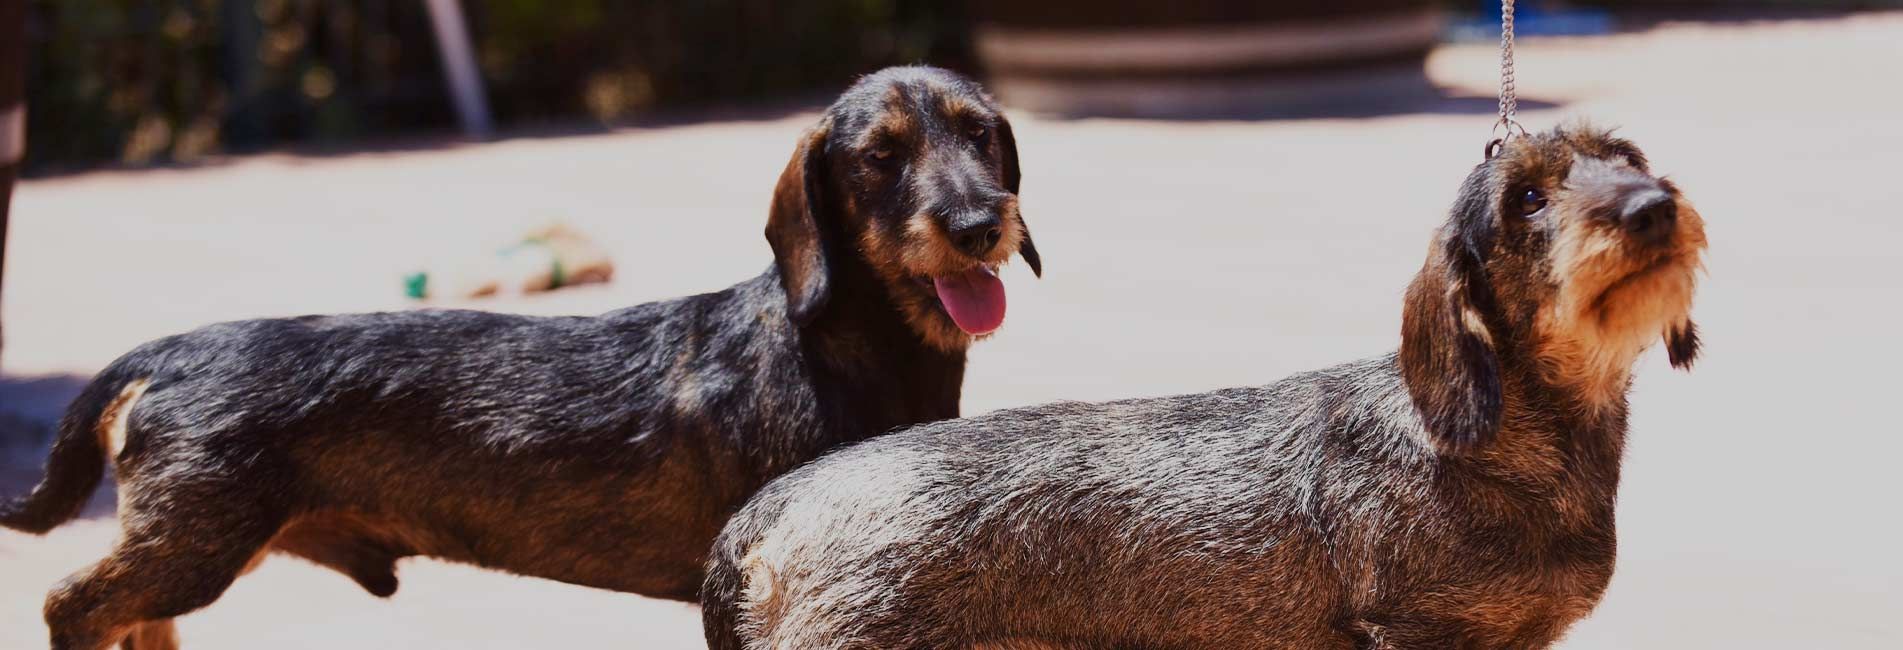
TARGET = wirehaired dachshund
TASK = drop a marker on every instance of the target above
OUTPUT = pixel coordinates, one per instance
(1455, 494)
(602, 451)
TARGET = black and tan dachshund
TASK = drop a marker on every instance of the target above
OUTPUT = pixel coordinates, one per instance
(1455, 494)
(603, 451)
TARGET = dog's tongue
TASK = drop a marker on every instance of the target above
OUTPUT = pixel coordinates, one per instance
(975, 300)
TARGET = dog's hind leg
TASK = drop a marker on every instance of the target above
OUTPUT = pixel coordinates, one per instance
(162, 634)
(180, 550)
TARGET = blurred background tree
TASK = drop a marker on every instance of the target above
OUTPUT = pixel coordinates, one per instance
(155, 81)
(142, 82)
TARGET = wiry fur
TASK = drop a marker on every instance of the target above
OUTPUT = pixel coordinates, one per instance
(603, 451)
(1382, 503)
(949, 154)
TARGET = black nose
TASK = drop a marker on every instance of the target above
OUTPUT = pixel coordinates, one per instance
(1650, 215)
(975, 233)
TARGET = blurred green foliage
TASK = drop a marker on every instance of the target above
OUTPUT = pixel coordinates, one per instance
(154, 81)
(611, 58)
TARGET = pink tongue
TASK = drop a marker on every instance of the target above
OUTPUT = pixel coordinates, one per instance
(975, 300)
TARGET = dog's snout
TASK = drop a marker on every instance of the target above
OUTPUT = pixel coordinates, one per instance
(1649, 215)
(975, 232)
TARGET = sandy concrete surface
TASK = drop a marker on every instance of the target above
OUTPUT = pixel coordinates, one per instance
(1759, 507)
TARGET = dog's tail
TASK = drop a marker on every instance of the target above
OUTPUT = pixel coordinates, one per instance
(78, 460)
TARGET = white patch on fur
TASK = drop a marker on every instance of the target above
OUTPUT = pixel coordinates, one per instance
(113, 422)
(762, 605)
(1471, 321)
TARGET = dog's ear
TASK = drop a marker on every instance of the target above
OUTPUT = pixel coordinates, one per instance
(1681, 344)
(1447, 357)
(1013, 177)
(1008, 148)
(793, 229)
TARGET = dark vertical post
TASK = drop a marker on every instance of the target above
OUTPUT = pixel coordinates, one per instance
(12, 113)
(245, 117)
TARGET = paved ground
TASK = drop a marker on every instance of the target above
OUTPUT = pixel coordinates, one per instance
(1760, 504)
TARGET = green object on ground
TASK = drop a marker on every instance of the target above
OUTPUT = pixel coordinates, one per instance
(416, 285)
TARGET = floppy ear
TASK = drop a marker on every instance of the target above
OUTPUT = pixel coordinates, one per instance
(1447, 352)
(1008, 148)
(1681, 344)
(793, 229)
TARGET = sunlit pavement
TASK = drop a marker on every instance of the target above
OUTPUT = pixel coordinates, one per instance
(1759, 503)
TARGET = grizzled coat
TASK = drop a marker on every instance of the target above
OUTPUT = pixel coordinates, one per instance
(1458, 493)
(604, 451)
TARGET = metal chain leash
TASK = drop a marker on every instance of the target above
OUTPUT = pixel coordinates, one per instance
(1509, 100)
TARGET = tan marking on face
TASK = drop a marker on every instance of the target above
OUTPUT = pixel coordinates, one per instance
(921, 248)
(923, 251)
(956, 106)
(1614, 301)
(895, 123)
(918, 304)
(113, 422)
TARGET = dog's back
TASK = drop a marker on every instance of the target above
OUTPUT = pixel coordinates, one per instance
(1026, 505)
(439, 414)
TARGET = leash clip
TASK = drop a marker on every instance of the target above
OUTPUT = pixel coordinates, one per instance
(1506, 127)
(1503, 130)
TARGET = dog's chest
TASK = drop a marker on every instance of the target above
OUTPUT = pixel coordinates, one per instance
(1506, 570)
(1537, 591)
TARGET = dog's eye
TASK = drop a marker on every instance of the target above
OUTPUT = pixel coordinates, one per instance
(1531, 202)
(879, 155)
(978, 132)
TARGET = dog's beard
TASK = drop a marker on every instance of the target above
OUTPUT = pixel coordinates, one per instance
(912, 265)
(1613, 302)
(928, 318)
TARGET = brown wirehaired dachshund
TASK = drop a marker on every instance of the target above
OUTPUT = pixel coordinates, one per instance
(1456, 494)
